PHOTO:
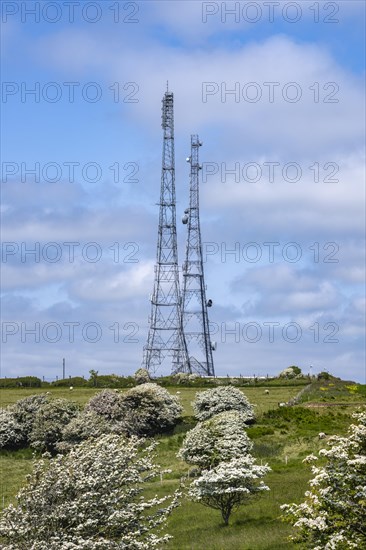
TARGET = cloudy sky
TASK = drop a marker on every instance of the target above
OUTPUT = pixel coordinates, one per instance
(275, 91)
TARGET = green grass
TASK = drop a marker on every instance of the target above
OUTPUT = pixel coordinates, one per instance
(256, 395)
(9, 396)
(14, 467)
(282, 437)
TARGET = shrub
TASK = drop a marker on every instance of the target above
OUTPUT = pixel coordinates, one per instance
(17, 421)
(323, 376)
(87, 424)
(12, 435)
(109, 380)
(222, 437)
(181, 377)
(142, 376)
(107, 403)
(75, 381)
(49, 422)
(22, 381)
(149, 409)
(25, 410)
(288, 373)
(333, 513)
(89, 499)
(224, 398)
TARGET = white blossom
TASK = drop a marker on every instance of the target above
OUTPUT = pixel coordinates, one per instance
(89, 499)
(229, 485)
(333, 514)
(224, 398)
(222, 437)
(149, 409)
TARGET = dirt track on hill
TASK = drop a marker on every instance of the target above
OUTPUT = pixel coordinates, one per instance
(313, 405)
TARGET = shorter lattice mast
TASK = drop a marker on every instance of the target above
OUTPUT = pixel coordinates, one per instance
(194, 308)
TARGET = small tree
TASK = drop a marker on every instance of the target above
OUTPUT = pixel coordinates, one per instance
(224, 398)
(89, 499)
(222, 437)
(93, 377)
(49, 423)
(229, 485)
(333, 514)
(149, 409)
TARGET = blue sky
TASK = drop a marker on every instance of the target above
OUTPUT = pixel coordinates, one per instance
(283, 180)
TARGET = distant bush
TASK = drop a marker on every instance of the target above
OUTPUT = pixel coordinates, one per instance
(149, 409)
(142, 376)
(23, 381)
(49, 423)
(224, 398)
(258, 431)
(75, 381)
(323, 375)
(188, 381)
(290, 372)
(111, 381)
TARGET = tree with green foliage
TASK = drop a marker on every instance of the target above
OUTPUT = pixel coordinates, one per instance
(90, 499)
(93, 377)
(334, 511)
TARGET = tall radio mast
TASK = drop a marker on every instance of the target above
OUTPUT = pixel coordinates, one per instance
(166, 336)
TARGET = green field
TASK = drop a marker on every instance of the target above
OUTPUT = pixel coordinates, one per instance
(282, 437)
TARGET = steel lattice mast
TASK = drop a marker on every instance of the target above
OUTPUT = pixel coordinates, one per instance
(195, 317)
(165, 336)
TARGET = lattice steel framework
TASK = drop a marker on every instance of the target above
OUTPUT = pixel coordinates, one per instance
(195, 316)
(166, 336)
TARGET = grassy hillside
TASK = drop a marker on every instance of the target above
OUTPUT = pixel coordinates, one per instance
(282, 437)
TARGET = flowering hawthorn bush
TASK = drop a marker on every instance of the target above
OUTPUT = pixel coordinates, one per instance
(26, 409)
(224, 398)
(89, 499)
(229, 485)
(49, 422)
(222, 437)
(149, 409)
(107, 403)
(87, 424)
(333, 514)
(142, 376)
(12, 434)
(16, 422)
